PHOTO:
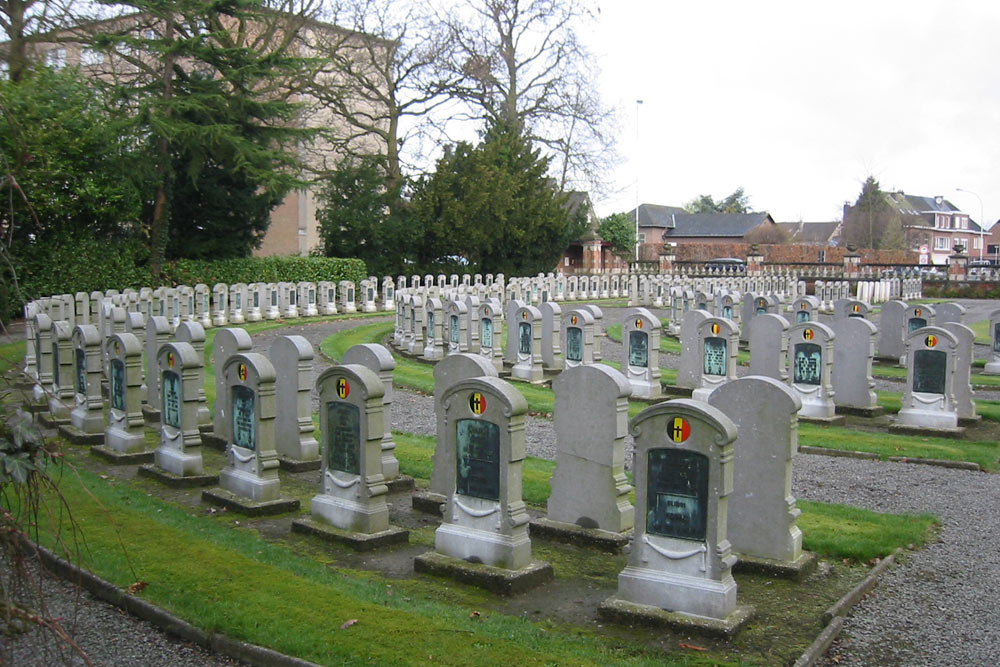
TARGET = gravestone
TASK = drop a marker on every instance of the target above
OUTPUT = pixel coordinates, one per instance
(527, 323)
(762, 525)
(193, 333)
(485, 521)
(271, 305)
(292, 358)
(719, 341)
(928, 401)
(892, 330)
(415, 339)
(810, 368)
(641, 337)
(851, 377)
(690, 366)
(255, 302)
(456, 327)
(287, 302)
(220, 310)
(379, 360)
(227, 343)
(993, 365)
(491, 333)
(87, 418)
(203, 305)
(249, 482)
(43, 360)
(472, 311)
(948, 312)
(124, 437)
(964, 396)
(157, 334)
(918, 317)
(179, 455)
(600, 335)
(434, 343)
(552, 352)
(345, 289)
(589, 486)
(62, 391)
(577, 337)
(850, 308)
(680, 567)
(327, 297)
(352, 488)
(307, 298)
(510, 317)
(804, 309)
(769, 345)
(238, 304)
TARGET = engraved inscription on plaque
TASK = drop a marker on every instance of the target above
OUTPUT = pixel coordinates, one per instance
(727, 312)
(524, 337)
(171, 399)
(430, 325)
(929, 368)
(329, 295)
(638, 349)
(274, 297)
(81, 371)
(291, 297)
(574, 344)
(478, 459)
(312, 297)
(802, 316)
(915, 323)
(256, 298)
(762, 311)
(716, 356)
(117, 388)
(486, 332)
(239, 301)
(244, 417)
(350, 295)
(453, 328)
(371, 294)
(808, 364)
(676, 493)
(55, 363)
(343, 438)
(996, 338)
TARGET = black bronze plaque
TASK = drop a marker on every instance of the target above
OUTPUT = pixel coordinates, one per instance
(802, 316)
(574, 344)
(343, 437)
(430, 325)
(486, 332)
(81, 371)
(808, 364)
(244, 417)
(929, 368)
(638, 349)
(915, 323)
(171, 399)
(55, 363)
(996, 337)
(524, 338)
(477, 458)
(117, 388)
(454, 329)
(676, 493)
(716, 356)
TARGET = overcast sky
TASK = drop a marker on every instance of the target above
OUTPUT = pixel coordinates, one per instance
(797, 102)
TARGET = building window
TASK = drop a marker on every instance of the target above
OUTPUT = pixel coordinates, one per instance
(642, 237)
(941, 243)
(977, 242)
(91, 57)
(56, 58)
(962, 241)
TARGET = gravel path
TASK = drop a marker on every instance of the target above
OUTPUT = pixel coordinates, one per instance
(937, 608)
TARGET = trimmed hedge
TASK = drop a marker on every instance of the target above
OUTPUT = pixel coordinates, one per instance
(263, 270)
(956, 289)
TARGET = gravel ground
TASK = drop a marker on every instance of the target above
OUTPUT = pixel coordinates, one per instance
(937, 608)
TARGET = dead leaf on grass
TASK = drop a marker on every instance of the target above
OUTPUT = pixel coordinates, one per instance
(692, 647)
(348, 624)
(137, 587)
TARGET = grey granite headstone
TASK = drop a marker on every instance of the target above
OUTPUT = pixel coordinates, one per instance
(948, 312)
(892, 329)
(928, 401)
(853, 351)
(965, 404)
(552, 353)
(379, 360)
(768, 338)
(88, 415)
(690, 365)
(718, 344)
(810, 367)
(193, 333)
(292, 358)
(227, 343)
(528, 326)
(181, 374)
(993, 365)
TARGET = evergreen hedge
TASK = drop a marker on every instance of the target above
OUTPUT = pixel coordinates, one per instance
(263, 270)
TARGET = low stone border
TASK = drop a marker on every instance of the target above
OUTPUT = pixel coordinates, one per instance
(174, 625)
(847, 453)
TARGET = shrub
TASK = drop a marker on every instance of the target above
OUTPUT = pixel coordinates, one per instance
(263, 270)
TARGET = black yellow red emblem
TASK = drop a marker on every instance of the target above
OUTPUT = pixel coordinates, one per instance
(680, 429)
(343, 388)
(574, 320)
(808, 334)
(170, 359)
(931, 341)
(715, 328)
(477, 403)
(638, 324)
(243, 372)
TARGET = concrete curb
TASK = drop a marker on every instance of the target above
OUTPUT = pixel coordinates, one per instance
(818, 648)
(847, 453)
(213, 642)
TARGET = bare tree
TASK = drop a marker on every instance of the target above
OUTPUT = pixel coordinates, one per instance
(521, 64)
(27, 22)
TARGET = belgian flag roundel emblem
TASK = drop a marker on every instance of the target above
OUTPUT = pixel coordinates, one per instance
(808, 334)
(170, 359)
(343, 388)
(917, 312)
(679, 429)
(857, 308)
(243, 372)
(574, 320)
(638, 324)
(931, 341)
(477, 403)
(715, 328)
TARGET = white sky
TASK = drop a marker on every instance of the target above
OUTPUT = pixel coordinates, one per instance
(797, 102)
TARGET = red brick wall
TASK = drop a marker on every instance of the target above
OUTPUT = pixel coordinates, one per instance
(782, 254)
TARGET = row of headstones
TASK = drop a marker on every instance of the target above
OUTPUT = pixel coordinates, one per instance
(830, 366)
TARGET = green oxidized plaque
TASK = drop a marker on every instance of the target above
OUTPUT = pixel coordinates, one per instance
(676, 493)
(244, 417)
(486, 332)
(524, 338)
(274, 297)
(716, 356)
(343, 437)
(915, 323)
(453, 329)
(55, 363)
(171, 399)
(762, 311)
(638, 349)
(239, 301)
(802, 316)
(574, 344)
(727, 312)
(256, 298)
(807, 364)
(478, 459)
(117, 388)
(929, 367)
(81, 371)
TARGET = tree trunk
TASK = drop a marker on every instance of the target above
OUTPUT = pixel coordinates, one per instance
(159, 224)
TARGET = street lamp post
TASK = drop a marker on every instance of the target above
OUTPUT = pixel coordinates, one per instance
(637, 167)
(982, 219)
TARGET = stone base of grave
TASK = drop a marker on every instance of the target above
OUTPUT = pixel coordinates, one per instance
(231, 501)
(690, 595)
(796, 570)
(401, 484)
(669, 391)
(570, 533)
(836, 420)
(210, 439)
(621, 611)
(356, 541)
(495, 579)
(870, 413)
(176, 481)
(966, 422)
(34, 407)
(117, 458)
(151, 416)
(429, 502)
(905, 429)
(349, 514)
(48, 420)
(294, 465)
(78, 437)
(991, 368)
(530, 375)
(205, 428)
